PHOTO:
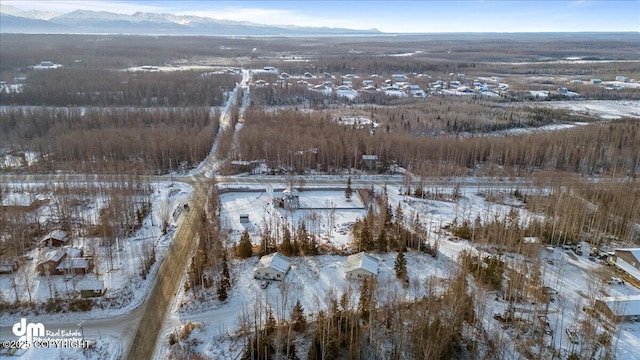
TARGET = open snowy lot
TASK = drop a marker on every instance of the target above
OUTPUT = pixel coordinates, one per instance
(606, 109)
(325, 213)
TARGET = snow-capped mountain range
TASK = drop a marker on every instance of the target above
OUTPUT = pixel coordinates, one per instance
(15, 20)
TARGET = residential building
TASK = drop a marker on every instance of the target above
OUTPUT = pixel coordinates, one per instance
(56, 238)
(361, 265)
(272, 267)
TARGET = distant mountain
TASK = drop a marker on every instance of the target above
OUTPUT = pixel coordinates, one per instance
(15, 20)
(31, 14)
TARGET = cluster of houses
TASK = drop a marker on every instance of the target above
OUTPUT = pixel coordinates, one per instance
(59, 258)
(276, 266)
(46, 65)
(398, 85)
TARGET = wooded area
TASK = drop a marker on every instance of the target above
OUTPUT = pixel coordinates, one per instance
(110, 140)
(297, 141)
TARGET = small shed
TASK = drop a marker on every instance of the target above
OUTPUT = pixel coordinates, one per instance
(370, 161)
(8, 266)
(56, 238)
(244, 218)
(272, 267)
(361, 265)
(91, 288)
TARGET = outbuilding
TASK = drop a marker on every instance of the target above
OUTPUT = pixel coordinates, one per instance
(56, 238)
(91, 288)
(620, 308)
(361, 265)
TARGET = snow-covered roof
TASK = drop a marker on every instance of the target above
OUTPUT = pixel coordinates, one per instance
(54, 255)
(633, 251)
(623, 306)
(68, 264)
(628, 268)
(73, 252)
(59, 235)
(275, 261)
(90, 285)
(362, 261)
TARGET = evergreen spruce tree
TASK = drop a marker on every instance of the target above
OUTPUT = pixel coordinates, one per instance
(244, 249)
(366, 239)
(382, 242)
(349, 191)
(286, 248)
(298, 320)
(400, 266)
(226, 277)
(222, 291)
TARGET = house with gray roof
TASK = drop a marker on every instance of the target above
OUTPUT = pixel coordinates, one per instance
(272, 267)
(361, 265)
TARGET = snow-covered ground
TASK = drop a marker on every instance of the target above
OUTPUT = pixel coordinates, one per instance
(319, 210)
(126, 289)
(311, 279)
(358, 121)
(606, 109)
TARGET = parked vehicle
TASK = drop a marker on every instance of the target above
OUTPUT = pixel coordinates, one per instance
(615, 281)
(573, 336)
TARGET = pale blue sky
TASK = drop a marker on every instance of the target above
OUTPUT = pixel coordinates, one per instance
(390, 16)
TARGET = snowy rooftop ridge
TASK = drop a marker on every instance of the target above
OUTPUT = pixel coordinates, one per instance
(275, 261)
(59, 235)
(634, 251)
(91, 285)
(623, 306)
(363, 261)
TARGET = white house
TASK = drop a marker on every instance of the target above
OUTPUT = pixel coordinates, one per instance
(361, 265)
(272, 267)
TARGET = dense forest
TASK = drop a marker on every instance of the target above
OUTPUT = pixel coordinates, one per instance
(112, 139)
(296, 141)
(78, 87)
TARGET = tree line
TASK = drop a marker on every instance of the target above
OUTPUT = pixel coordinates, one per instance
(99, 87)
(298, 141)
(101, 140)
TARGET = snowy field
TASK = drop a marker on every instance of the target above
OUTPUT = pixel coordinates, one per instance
(325, 213)
(606, 109)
